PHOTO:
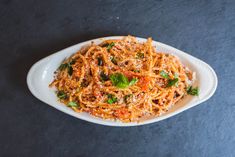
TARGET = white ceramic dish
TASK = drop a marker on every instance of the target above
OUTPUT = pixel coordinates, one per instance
(41, 75)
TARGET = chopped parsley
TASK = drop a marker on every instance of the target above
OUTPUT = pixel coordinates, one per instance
(109, 47)
(139, 55)
(193, 91)
(111, 99)
(72, 104)
(61, 95)
(172, 82)
(103, 76)
(136, 71)
(113, 60)
(67, 66)
(176, 75)
(126, 97)
(164, 74)
(63, 66)
(133, 81)
(100, 61)
(121, 81)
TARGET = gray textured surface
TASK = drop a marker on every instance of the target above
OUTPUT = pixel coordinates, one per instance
(31, 30)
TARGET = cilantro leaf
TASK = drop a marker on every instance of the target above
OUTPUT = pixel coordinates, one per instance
(193, 91)
(164, 74)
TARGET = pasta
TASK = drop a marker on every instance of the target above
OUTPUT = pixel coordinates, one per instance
(123, 80)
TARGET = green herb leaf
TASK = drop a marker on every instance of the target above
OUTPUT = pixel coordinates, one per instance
(126, 97)
(176, 75)
(110, 46)
(137, 71)
(172, 82)
(164, 74)
(103, 76)
(113, 60)
(193, 91)
(70, 70)
(61, 95)
(63, 66)
(68, 66)
(72, 104)
(72, 62)
(140, 55)
(119, 80)
(100, 61)
(133, 81)
(111, 99)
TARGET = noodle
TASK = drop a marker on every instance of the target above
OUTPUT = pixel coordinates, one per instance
(122, 80)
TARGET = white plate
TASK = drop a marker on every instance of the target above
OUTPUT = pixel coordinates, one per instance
(41, 75)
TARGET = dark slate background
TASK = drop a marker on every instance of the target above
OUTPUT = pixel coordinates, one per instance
(31, 30)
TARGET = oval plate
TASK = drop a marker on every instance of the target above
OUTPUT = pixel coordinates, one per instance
(41, 75)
